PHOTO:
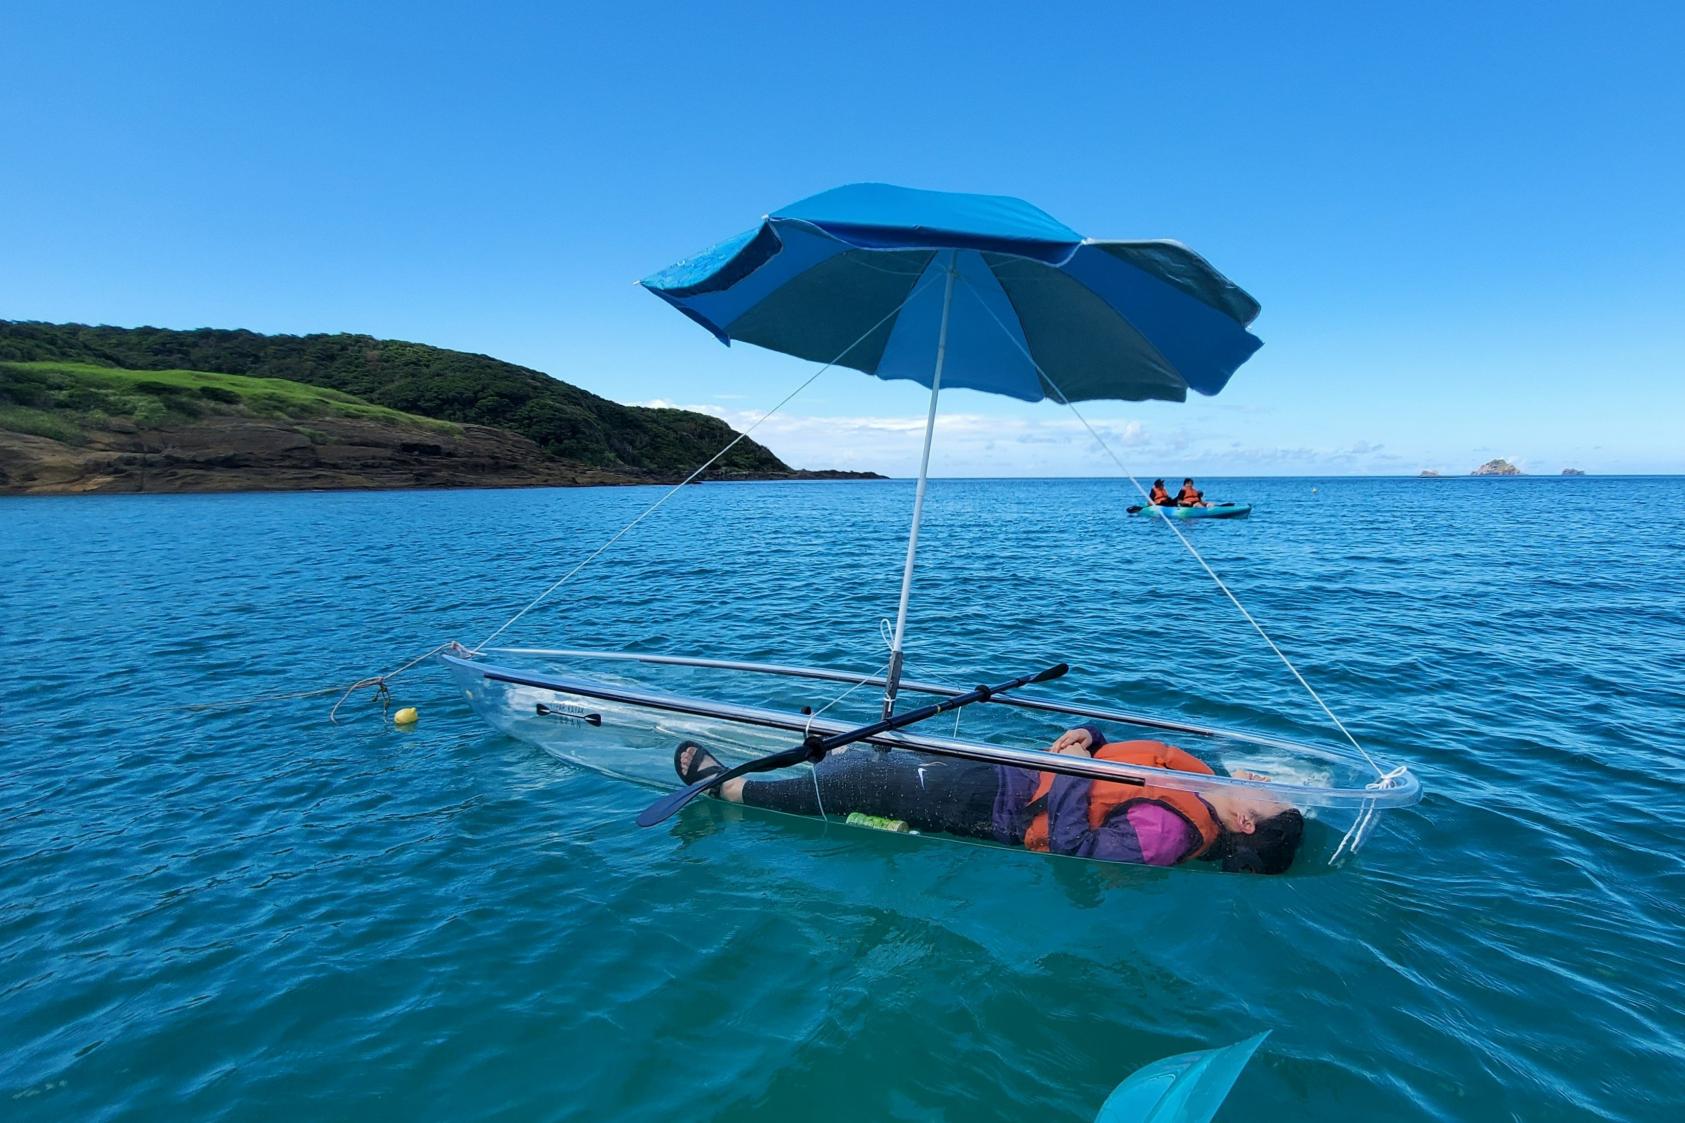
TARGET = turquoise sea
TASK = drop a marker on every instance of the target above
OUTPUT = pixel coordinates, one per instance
(246, 912)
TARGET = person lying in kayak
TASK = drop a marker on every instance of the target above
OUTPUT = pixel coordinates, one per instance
(1159, 497)
(1155, 826)
(1190, 496)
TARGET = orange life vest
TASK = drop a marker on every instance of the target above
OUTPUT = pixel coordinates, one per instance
(1158, 497)
(1108, 796)
(1188, 496)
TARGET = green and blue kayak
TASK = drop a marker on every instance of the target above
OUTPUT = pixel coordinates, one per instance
(1215, 511)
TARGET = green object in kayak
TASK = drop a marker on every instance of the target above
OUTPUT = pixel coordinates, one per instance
(1215, 511)
(1186, 1088)
(876, 822)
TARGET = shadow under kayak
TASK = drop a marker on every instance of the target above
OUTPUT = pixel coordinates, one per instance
(1217, 511)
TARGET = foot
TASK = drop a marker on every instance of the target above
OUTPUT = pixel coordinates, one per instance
(693, 762)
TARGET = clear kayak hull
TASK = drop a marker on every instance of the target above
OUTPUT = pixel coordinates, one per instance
(623, 714)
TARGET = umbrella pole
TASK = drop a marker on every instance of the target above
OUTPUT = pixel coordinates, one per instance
(893, 678)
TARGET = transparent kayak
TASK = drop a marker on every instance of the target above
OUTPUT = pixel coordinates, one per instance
(623, 714)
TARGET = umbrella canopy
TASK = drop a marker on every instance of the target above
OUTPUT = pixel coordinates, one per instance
(848, 276)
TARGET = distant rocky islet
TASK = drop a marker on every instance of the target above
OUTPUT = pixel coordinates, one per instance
(1495, 467)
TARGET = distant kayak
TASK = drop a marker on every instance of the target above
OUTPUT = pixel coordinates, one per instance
(1215, 511)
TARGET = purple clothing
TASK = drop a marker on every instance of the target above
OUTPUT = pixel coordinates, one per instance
(1145, 832)
(1012, 803)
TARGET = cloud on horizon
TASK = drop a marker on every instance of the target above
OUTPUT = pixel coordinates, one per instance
(974, 444)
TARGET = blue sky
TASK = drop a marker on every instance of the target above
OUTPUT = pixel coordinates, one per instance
(1465, 223)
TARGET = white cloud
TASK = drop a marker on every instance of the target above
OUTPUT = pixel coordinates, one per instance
(966, 444)
(976, 444)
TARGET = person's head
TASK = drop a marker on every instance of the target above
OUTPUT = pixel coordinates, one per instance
(1259, 836)
(1158, 484)
(1269, 848)
(1188, 481)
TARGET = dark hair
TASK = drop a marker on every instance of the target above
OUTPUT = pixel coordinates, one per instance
(1187, 479)
(1158, 483)
(1268, 849)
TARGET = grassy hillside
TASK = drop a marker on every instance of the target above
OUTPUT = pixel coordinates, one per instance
(65, 401)
(455, 386)
(75, 428)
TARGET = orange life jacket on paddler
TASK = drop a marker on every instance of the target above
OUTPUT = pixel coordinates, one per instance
(1158, 497)
(1189, 496)
(1108, 796)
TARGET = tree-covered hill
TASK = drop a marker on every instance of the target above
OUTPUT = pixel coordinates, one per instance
(70, 428)
(561, 419)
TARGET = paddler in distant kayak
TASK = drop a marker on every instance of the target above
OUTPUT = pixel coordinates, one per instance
(1159, 497)
(1190, 496)
(1046, 811)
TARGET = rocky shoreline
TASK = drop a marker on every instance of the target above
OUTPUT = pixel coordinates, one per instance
(232, 453)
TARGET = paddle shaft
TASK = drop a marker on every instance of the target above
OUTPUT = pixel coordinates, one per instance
(981, 694)
(815, 747)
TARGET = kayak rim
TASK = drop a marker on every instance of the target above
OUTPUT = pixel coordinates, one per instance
(525, 701)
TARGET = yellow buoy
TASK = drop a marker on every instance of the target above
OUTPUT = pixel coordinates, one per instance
(405, 716)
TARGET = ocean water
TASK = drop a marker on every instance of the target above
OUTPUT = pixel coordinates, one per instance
(246, 912)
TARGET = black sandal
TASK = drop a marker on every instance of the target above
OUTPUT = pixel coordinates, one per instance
(702, 765)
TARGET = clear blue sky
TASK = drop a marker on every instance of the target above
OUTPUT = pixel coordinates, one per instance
(1465, 222)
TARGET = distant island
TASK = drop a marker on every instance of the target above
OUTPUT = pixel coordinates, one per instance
(1428, 474)
(98, 409)
(1499, 467)
(1573, 472)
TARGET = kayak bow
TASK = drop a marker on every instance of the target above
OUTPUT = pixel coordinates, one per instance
(1187, 1088)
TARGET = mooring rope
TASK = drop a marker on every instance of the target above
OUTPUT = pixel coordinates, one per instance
(379, 681)
(623, 531)
(807, 730)
(1180, 537)
(132, 717)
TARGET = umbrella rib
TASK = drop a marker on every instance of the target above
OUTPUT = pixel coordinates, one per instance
(1139, 334)
(1197, 556)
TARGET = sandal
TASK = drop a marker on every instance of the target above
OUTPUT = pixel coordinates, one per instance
(701, 765)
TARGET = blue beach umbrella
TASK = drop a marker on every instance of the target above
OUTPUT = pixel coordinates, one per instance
(853, 276)
(866, 276)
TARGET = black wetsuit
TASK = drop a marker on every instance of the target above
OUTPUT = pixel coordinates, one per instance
(927, 793)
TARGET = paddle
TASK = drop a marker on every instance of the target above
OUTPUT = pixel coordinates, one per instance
(815, 747)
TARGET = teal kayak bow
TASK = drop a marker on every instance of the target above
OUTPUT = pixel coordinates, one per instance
(1186, 1088)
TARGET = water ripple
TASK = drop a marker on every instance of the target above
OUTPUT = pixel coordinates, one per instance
(250, 913)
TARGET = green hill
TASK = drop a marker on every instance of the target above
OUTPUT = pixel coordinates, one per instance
(74, 427)
(65, 400)
(562, 420)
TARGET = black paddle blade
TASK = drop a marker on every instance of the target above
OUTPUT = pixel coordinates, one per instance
(668, 806)
(1135, 510)
(1058, 670)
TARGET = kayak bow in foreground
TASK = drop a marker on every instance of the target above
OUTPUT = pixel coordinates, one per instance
(1186, 1088)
